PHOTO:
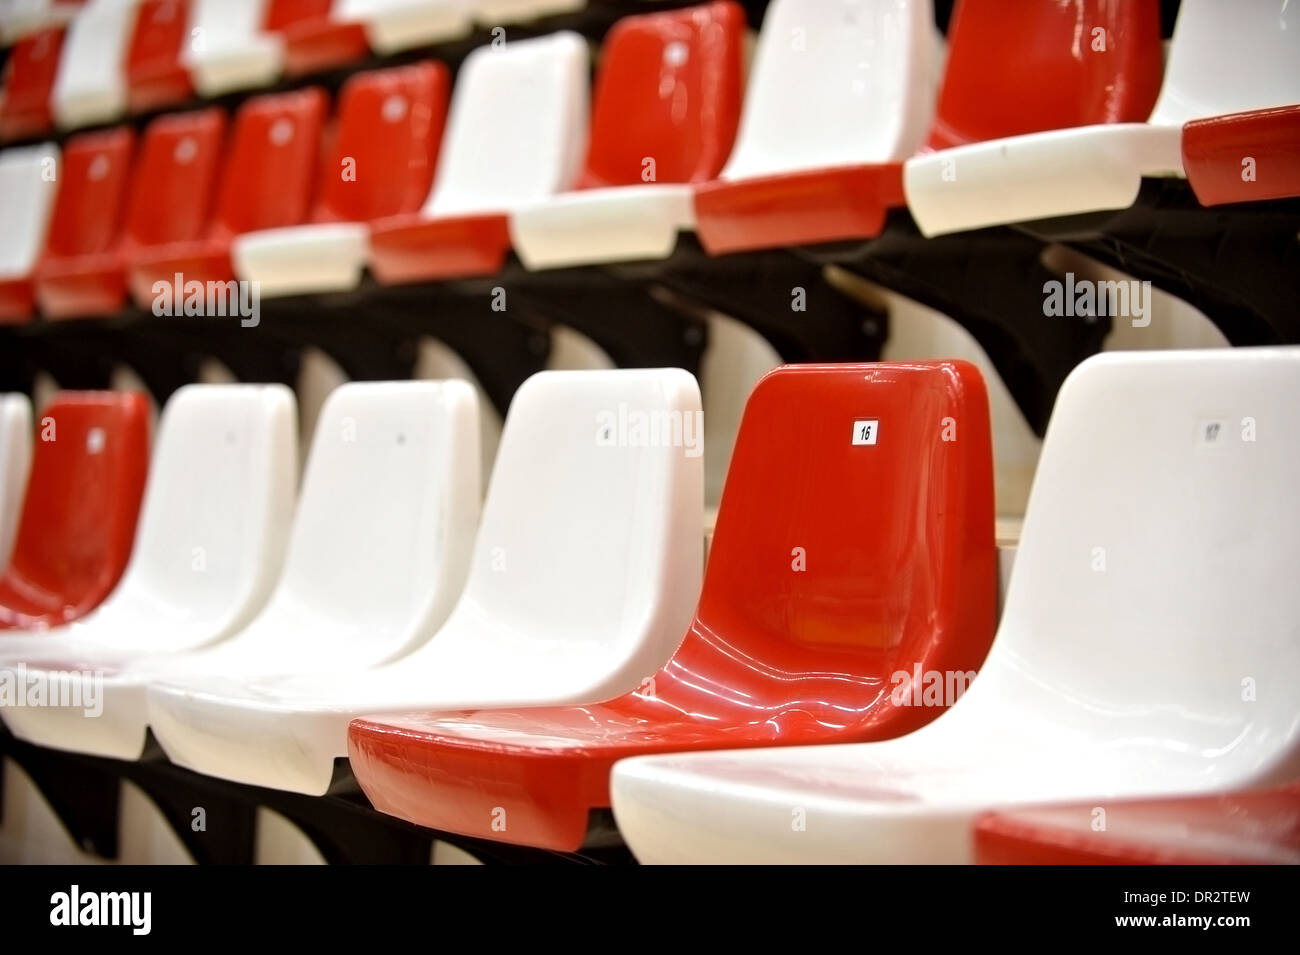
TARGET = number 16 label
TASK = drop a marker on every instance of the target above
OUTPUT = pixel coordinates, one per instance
(865, 431)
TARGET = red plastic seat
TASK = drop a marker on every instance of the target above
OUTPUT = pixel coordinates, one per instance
(312, 39)
(381, 162)
(29, 80)
(836, 565)
(266, 180)
(1215, 150)
(75, 534)
(1260, 827)
(156, 77)
(664, 116)
(82, 270)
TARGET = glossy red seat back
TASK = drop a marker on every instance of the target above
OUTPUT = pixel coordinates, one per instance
(174, 181)
(314, 41)
(87, 215)
(838, 564)
(155, 74)
(385, 144)
(28, 82)
(89, 463)
(669, 89)
(1038, 69)
(1259, 827)
(269, 171)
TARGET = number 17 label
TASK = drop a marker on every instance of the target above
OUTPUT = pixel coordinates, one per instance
(865, 431)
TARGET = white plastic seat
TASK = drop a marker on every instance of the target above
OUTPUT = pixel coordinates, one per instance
(393, 25)
(1223, 58)
(91, 86)
(515, 134)
(491, 13)
(1147, 647)
(15, 461)
(228, 49)
(208, 548)
(585, 573)
(18, 17)
(29, 181)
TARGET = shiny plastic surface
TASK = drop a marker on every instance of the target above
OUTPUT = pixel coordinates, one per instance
(1257, 827)
(1216, 150)
(229, 48)
(515, 134)
(155, 75)
(585, 573)
(839, 94)
(1146, 648)
(29, 81)
(381, 162)
(834, 567)
(267, 177)
(82, 270)
(666, 108)
(209, 549)
(78, 522)
(90, 87)
(15, 462)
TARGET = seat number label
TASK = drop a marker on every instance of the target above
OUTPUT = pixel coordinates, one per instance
(866, 430)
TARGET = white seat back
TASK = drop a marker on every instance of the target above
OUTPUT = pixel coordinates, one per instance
(29, 182)
(1229, 58)
(213, 522)
(90, 85)
(517, 128)
(393, 25)
(835, 84)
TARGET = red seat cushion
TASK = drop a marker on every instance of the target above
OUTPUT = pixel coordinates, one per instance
(835, 566)
(312, 41)
(77, 527)
(411, 248)
(1216, 153)
(1244, 828)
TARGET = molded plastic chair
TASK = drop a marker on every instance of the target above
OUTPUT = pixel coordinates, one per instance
(1244, 157)
(1260, 827)
(377, 559)
(853, 544)
(266, 181)
(155, 75)
(29, 181)
(82, 272)
(515, 133)
(172, 196)
(78, 519)
(209, 548)
(1221, 60)
(665, 113)
(585, 571)
(28, 82)
(490, 13)
(22, 17)
(91, 83)
(1147, 644)
(839, 95)
(381, 164)
(15, 462)
(228, 47)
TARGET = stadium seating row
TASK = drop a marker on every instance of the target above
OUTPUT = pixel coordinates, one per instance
(1145, 649)
(273, 205)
